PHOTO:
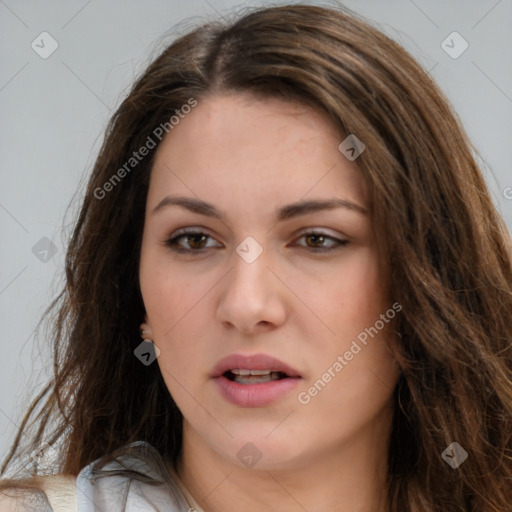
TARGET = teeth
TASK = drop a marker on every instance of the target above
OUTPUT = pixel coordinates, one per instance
(239, 371)
(257, 379)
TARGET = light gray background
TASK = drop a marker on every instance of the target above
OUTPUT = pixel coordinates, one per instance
(54, 111)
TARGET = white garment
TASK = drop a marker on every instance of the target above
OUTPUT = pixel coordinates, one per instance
(111, 490)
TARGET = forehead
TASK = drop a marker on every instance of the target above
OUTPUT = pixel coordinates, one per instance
(238, 147)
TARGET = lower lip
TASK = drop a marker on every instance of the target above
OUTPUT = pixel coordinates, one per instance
(255, 395)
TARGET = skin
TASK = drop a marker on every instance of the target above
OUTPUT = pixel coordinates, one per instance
(249, 157)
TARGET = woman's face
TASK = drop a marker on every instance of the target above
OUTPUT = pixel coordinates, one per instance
(269, 270)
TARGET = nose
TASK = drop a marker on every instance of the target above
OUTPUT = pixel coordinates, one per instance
(252, 298)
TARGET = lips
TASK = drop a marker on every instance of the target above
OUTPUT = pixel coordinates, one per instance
(256, 362)
(254, 381)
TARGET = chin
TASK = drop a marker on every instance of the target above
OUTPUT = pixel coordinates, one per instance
(266, 452)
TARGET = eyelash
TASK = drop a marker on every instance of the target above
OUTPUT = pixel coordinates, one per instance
(172, 242)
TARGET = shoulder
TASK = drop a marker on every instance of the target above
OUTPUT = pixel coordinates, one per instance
(60, 491)
(8, 503)
(41, 494)
(24, 500)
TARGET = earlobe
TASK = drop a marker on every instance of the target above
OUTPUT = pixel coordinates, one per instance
(145, 330)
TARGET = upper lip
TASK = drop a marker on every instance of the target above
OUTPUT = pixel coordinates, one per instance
(253, 362)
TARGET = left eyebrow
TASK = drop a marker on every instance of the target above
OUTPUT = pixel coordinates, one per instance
(311, 206)
(284, 213)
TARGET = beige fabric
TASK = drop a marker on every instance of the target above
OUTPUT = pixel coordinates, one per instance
(61, 492)
(11, 502)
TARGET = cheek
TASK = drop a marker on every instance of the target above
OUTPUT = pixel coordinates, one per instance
(352, 296)
(362, 276)
(358, 395)
(170, 296)
(355, 381)
(175, 305)
(351, 307)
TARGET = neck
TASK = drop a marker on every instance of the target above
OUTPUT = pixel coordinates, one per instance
(351, 477)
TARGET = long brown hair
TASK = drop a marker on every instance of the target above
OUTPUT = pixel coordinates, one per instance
(447, 250)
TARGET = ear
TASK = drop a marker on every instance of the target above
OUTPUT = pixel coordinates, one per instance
(145, 329)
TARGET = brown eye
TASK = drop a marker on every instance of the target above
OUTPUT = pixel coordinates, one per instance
(197, 241)
(315, 240)
(321, 242)
(189, 241)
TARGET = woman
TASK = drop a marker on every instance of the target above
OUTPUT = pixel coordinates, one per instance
(286, 210)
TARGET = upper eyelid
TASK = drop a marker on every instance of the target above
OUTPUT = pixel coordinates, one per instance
(305, 231)
(205, 231)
